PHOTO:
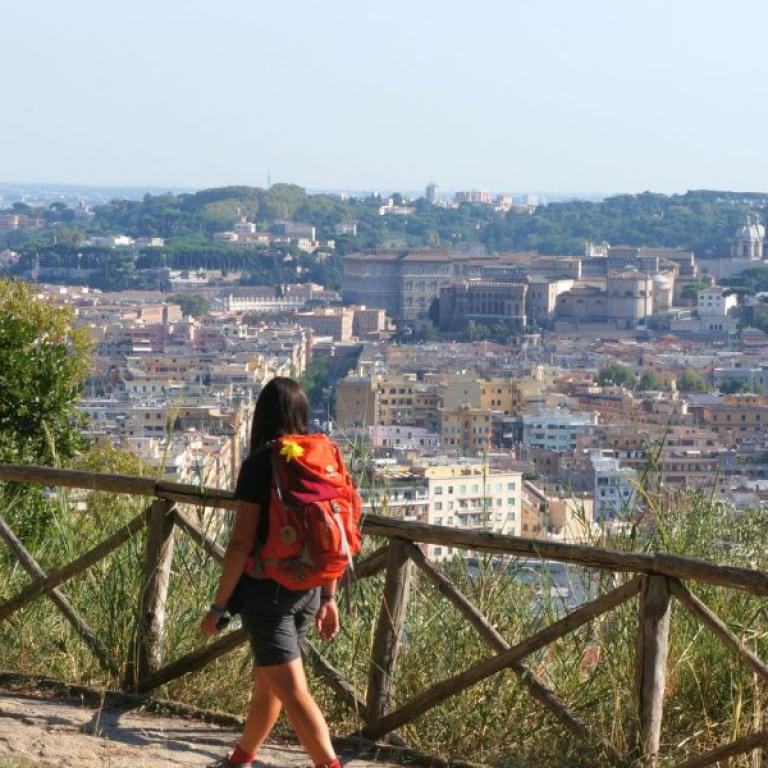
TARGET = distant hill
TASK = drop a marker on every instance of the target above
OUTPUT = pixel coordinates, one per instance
(701, 220)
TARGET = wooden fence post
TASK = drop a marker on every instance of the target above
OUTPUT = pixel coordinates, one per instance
(386, 642)
(150, 632)
(651, 662)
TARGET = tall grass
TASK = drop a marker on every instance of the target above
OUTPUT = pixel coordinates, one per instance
(711, 695)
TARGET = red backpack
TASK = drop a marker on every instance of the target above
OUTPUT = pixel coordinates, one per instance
(314, 514)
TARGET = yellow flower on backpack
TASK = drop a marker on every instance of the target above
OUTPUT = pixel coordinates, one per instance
(291, 450)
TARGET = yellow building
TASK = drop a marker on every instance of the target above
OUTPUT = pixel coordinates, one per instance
(379, 400)
(426, 409)
(458, 390)
(734, 415)
(507, 395)
(170, 366)
(569, 519)
(356, 402)
(395, 398)
(435, 403)
(467, 431)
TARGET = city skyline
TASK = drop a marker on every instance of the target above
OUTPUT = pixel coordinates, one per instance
(596, 99)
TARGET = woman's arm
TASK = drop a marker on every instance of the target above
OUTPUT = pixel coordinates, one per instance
(327, 619)
(240, 545)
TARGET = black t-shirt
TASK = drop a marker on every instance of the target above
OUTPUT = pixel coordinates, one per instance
(254, 484)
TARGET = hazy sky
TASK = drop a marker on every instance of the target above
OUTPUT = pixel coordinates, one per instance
(542, 95)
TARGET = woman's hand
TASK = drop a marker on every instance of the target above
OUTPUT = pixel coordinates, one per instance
(208, 624)
(327, 619)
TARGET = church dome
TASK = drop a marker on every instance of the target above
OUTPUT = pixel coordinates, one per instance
(751, 232)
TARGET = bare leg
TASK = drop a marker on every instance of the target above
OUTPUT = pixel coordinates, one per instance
(289, 683)
(262, 714)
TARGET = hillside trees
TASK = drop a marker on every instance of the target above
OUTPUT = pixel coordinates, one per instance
(617, 375)
(649, 382)
(44, 361)
(692, 382)
(192, 304)
(703, 221)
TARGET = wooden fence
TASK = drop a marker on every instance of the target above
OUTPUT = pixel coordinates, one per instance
(655, 579)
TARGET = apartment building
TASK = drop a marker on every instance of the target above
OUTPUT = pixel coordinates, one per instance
(426, 408)
(567, 519)
(733, 417)
(395, 491)
(507, 395)
(472, 496)
(369, 322)
(667, 456)
(404, 438)
(715, 302)
(467, 431)
(356, 402)
(395, 403)
(555, 430)
(403, 398)
(614, 487)
(336, 322)
(174, 367)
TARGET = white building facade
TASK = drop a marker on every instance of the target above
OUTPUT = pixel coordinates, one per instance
(555, 431)
(615, 487)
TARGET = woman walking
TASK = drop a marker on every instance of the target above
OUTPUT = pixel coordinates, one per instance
(275, 617)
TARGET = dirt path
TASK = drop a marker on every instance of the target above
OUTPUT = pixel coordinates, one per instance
(49, 731)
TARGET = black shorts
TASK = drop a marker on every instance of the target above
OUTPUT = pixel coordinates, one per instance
(276, 618)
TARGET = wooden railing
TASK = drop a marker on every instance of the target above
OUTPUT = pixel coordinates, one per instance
(655, 579)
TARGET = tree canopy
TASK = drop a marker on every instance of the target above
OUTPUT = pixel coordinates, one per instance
(192, 304)
(692, 382)
(617, 375)
(44, 361)
(738, 387)
(649, 382)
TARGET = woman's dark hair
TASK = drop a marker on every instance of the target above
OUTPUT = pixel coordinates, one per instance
(282, 409)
